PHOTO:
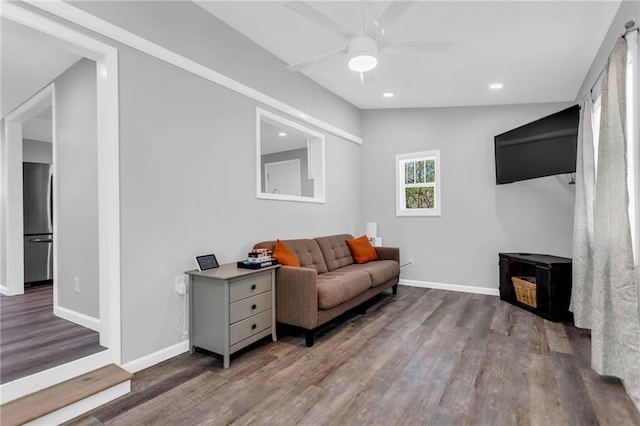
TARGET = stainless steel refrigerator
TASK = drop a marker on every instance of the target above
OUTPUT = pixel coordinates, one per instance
(38, 222)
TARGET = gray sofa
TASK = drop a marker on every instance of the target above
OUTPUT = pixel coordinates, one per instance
(328, 282)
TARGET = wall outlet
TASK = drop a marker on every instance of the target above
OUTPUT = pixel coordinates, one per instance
(76, 285)
(179, 286)
(411, 262)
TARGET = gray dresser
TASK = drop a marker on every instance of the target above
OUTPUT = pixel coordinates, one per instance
(230, 308)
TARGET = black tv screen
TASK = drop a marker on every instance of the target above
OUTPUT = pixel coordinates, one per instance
(543, 147)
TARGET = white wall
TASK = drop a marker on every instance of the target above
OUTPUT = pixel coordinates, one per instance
(36, 151)
(76, 183)
(479, 218)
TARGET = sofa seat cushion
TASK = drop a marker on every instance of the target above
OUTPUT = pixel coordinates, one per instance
(380, 271)
(339, 286)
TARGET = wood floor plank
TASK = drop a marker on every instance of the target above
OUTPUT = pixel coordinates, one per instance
(33, 339)
(574, 398)
(420, 357)
(543, 392)
(610, 408)
(35, 405)
(557, 338)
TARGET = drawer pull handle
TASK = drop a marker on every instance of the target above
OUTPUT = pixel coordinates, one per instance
(253, 307)
(253, 326)
(253, 287)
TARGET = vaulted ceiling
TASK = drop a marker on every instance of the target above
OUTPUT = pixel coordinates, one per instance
(540, 50)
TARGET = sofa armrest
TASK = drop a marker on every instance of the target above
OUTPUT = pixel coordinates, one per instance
(388, 253)
(297, 296)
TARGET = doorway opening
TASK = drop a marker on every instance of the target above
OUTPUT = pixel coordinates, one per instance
(108, 236)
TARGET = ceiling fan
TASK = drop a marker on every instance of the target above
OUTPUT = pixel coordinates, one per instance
(363, 47)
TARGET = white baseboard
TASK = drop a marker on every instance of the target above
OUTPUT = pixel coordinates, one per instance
(81, 319)
(47, 378)
(451, 287)
(156, 357)
(74, 410)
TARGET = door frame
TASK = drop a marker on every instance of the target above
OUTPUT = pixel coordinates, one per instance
(268, 166)
(106, 58)
(12, 163)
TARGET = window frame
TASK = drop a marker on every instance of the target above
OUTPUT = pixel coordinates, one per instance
(401, 185)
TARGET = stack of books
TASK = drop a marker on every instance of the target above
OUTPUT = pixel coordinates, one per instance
(258, 258)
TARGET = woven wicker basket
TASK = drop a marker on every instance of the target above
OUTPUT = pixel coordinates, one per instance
(525, 290)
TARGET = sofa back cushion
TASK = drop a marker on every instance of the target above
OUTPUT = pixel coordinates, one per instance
(307, 251)
(335, 251)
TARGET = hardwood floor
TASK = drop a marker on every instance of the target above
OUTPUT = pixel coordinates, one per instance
(33, 339)
(421, 357)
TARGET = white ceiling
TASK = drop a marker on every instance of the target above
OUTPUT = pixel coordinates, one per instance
(29, 61)
(271, 142)
(540, 50)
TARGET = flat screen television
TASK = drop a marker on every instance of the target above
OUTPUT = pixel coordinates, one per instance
(543, 147)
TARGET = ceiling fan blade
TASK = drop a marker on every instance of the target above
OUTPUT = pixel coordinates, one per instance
(423, 46)
(368, 78)
(313, 61)
(391, 14)
(313, 14)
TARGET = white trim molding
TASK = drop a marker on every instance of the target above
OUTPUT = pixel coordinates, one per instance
(156, 357)
(47, 378)
(83, 406)
(76, 317)
(414, 159)
(451, 287)
(107, 29)
(315, 139)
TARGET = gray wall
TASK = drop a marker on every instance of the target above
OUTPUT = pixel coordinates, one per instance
(479, 218)
(188, 187)
(77, 182)
(187, 161)
(306, 185)
(189, 30)
(36, 152)
(629, 10)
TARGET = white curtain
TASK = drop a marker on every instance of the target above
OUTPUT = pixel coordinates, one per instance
(615, 335)
(582, 288)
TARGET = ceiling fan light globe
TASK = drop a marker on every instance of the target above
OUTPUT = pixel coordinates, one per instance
(363, 54)
(363, 62)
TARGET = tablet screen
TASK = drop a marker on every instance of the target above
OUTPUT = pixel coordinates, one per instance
(207, 261)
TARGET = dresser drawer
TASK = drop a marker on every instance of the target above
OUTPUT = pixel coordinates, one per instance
(250, 326)
(250, 286)
(250, 306)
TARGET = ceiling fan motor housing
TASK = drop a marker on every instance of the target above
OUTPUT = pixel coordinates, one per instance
(363, 53)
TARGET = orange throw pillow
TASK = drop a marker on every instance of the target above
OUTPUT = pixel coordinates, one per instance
(283, 254)
(361, 250)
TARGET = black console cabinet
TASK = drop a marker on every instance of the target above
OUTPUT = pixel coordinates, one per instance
(553, 282)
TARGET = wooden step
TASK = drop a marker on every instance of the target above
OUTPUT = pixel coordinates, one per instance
(46, 401)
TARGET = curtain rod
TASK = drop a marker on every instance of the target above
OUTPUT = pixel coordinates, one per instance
(628, 29)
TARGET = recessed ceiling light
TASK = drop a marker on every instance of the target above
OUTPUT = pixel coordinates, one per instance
(282, 134)
(496, 86)
(388, 94)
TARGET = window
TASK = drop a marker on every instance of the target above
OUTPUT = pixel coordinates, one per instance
(418, 184)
